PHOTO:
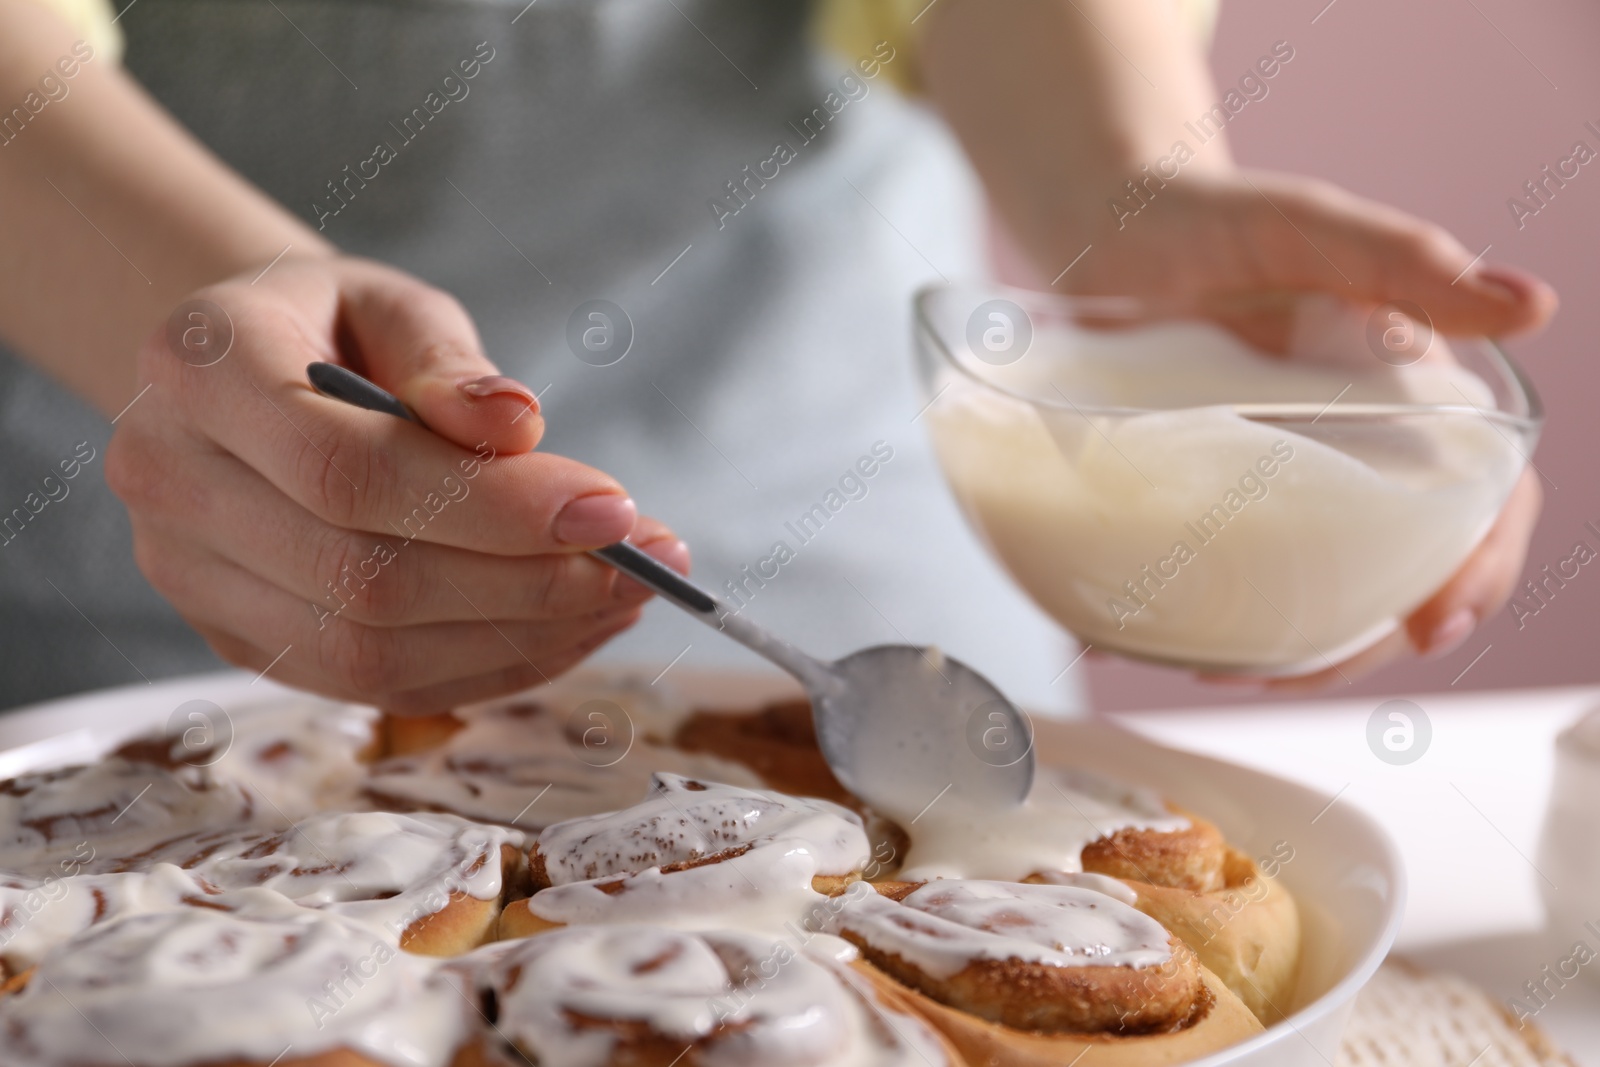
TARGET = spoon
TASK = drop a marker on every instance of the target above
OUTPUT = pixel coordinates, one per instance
(900, 726)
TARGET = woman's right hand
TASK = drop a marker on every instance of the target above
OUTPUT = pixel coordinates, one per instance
(353, 553)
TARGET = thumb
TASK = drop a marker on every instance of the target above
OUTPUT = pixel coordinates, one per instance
(419, 343)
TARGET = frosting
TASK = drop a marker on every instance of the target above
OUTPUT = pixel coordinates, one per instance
(387, 870)
(1100, 883)
(37, 915)
(526, 765)
(942, 927)
(1189, 531)
(46, 819)
(739, 999)
(694, 849)
(1065, 811)
(193, 986)
(299, 757)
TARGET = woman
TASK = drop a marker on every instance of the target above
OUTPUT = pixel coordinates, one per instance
(692, 234)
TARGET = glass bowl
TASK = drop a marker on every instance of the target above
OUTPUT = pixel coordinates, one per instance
(1167, 492)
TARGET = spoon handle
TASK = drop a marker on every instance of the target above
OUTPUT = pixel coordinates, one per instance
(674, 587)
(341, 383)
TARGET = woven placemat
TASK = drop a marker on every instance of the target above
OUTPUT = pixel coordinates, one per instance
(1408, 1017)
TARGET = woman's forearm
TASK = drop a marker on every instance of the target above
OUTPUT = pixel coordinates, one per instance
(1059, 102)
(112, 211)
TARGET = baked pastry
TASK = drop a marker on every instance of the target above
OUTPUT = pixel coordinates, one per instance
(692, 848)
(1246, 931)
(525, 764)
(777, 742)
(1025, 974)
(697, 890)
(297, 758)
(1173, 864)
(282, 985)
(646, 996)
(55, 821)
(38, 916)
(434, 884)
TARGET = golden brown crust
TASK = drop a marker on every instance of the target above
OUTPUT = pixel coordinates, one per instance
(460, 926)
(1192, 858)
(832, 885)
(777, 742)
(896, 891)
(518, 920)
(1222, 1021)
(406, 735)
(465, 922)
(339, 1057)
(1049, 999)
(1247, 932)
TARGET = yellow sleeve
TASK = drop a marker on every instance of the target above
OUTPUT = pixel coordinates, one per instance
(853, 28)
(93, 21)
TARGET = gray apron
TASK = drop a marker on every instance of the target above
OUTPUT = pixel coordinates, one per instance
(620, 151)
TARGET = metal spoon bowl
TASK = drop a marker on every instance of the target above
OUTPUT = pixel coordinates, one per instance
(900, 726)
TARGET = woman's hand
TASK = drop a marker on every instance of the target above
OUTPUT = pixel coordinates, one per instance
(354, 553)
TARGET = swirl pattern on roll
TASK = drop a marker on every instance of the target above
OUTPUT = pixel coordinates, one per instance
(599, 996)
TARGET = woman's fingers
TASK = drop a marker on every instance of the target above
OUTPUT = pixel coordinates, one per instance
(1395, 646)
(447, 695)
(362, 470)
(333, 653)
(218, 504)
(1311, 235)
(1485, 581)
(420, 344)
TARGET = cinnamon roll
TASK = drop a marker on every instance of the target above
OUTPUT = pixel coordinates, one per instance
(647, 996)
(778, 743)
(296, 759)
(196, 987)
(49, 818)
(519, 764)
(693, 851)
(1022, 974)
(1246, 930)
(1074, 820)
(38, 915)
(434, 883)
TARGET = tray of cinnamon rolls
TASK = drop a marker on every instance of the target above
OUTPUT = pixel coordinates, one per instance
(603, 873)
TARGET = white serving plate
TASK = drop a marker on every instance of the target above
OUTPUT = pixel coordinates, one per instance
(1345, 872)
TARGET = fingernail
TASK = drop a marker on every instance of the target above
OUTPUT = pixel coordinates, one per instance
(1451, 632)
(670, 551)
(1508, 283)
(595, 520)
(497, 385)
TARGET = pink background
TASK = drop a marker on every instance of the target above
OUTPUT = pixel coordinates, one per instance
(1427, 105)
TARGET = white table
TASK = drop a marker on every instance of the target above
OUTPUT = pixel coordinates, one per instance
(1467, 816)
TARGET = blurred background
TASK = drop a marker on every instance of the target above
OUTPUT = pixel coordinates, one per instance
(1445, 108)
